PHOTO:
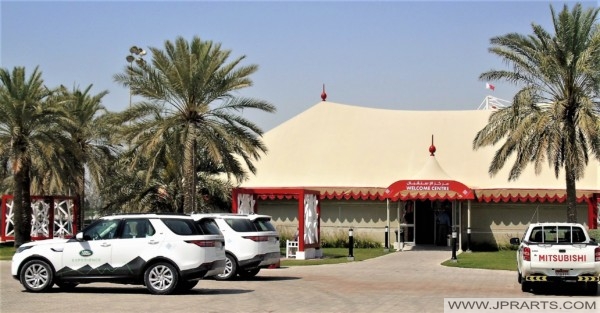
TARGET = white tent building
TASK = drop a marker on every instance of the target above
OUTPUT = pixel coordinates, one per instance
(350, 155)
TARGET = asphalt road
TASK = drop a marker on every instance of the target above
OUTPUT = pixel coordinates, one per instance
(409, 281)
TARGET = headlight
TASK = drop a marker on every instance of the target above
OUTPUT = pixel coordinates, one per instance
(23, 248)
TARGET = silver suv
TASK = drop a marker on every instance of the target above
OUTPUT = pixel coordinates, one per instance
(163, 252)
(251, 243)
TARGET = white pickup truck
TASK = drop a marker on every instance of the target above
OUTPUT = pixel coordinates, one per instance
(558, 253)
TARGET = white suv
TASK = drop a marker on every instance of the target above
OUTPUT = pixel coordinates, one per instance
(163, 252)
(251, 243)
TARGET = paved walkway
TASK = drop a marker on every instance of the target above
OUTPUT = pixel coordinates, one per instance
(409, 281)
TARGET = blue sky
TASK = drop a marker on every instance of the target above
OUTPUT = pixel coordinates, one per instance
(408, 55)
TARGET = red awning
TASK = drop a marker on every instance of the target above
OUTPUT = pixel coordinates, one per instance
(530, 195)
(405, 191)
(424, 189)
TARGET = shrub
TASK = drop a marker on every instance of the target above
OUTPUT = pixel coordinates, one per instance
(339, 239)
(595, 233)
(332, 239)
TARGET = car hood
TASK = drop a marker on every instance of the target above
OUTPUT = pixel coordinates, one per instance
(55, 241)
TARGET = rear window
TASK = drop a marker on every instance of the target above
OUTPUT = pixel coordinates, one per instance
(557, 234)
(264, 224)
(182, 227)
(246, 226)
(208, 226)
(241, 225)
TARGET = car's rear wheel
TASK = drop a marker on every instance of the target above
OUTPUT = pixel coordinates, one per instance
(161, 278)
(37, 276)
(525, 286)
(591, 288)
(230, 268)
(249, 273)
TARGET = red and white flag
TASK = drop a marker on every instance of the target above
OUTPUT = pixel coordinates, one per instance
(489, 86)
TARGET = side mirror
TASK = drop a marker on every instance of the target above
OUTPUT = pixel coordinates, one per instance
(514, 241)
(81, 237)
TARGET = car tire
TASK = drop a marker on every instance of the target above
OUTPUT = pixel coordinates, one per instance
(519, 278)
(525, 286)
(230, 268)
(161, 278)
(249, 273)
(66, 285)
(186, 285)
(591, 288)
(37, 276)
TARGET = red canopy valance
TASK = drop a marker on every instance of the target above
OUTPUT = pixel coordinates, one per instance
(419, 192)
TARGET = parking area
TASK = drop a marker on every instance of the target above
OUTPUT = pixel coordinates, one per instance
(409, 281)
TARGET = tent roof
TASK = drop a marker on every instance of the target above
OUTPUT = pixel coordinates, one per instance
(352, 151)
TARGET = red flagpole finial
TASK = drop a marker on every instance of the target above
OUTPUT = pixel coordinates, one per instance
(323, 94)
(432, 147)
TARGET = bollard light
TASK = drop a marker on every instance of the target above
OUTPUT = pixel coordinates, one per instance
(469, 239)
(454, 246)
(350, 245)
(386, 240)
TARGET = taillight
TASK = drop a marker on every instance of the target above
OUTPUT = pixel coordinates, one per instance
(597, 259)
(527, 254)
(257, 238)
(202, 243)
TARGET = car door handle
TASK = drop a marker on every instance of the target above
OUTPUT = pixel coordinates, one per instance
(105, 244)
(152, 242)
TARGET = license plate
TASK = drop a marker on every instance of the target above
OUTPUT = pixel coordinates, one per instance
(561, 272)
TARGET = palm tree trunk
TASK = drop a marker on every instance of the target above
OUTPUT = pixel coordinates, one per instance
(188, 174)
(571, 194)
(22, 204)
(571, 139)
(80, 197)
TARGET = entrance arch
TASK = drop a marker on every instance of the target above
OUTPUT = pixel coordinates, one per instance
(428, 191)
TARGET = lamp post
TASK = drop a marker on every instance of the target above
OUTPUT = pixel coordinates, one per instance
(135, 55)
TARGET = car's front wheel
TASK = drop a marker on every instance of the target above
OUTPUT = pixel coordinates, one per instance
(37, 276)
(161, 278)
(230, 268)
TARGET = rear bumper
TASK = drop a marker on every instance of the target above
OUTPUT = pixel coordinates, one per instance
(260, 261)
(204, 270)
(561, 279)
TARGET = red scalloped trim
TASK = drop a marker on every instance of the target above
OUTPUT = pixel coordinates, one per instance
(428, 196)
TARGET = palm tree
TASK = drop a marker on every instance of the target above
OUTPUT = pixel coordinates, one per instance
(555, 117)
(90, 130)
(29, 137)
(190, 86)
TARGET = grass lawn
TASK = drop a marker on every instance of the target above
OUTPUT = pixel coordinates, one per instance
(499, 260)
(6, 251)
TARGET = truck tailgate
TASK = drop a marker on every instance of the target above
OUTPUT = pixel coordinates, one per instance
(563, 259)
